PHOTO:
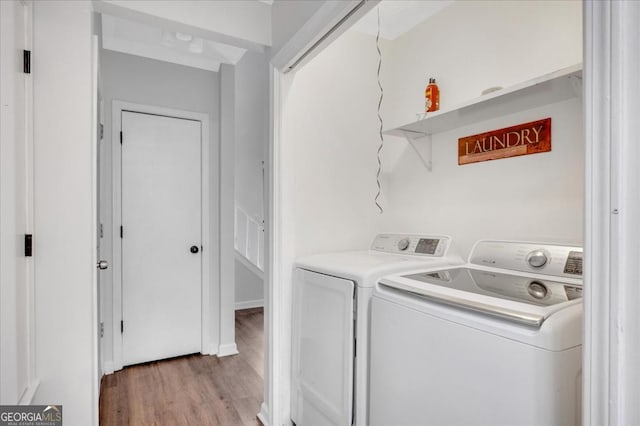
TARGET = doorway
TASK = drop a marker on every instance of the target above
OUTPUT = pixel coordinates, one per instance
(161, 308)
(301, 224)
(139, 82)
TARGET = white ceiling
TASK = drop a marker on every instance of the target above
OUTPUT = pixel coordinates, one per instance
(144, 40)
(242, 23)
(399, 16)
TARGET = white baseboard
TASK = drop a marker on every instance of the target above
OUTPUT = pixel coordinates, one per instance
(248, 304)
(228, 349)
(29, 393)
(263, 415)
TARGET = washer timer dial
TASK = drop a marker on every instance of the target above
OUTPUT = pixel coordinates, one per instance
(538, 258)
(537, 290)
(403, 244)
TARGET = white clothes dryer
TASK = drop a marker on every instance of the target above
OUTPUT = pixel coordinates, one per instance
(330, 330)
(495, 342)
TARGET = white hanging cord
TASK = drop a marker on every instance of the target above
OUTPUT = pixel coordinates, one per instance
(379, 117)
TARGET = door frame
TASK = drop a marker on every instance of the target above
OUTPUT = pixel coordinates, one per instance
(328, 23)
(210, 322)
(611, 344)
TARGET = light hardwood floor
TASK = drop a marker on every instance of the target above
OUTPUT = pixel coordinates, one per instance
(194, 389)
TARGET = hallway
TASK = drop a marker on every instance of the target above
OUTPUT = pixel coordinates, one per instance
(194, 389)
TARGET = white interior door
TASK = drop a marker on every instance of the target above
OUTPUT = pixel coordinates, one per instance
(16, 336)
(161, 237)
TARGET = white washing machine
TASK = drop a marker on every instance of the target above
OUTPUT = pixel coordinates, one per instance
(331, 304)
(497, 341)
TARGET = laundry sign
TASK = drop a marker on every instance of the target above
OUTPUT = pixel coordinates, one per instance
(523, 139)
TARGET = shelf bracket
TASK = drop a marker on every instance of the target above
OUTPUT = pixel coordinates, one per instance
(424, 153)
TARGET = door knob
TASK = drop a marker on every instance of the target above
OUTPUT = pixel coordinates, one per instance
(103, 264)
(194, 249)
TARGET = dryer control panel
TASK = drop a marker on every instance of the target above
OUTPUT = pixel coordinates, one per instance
(416, 245)
(542, 258)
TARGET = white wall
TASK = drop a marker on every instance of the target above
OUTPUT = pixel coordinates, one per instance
(64, 249)
(250, 289)
(472, 46)
(252, 131)
(529, 198)
(150, 82)
(227, 199)
(536, 197)
(252, 113)
(331, 133)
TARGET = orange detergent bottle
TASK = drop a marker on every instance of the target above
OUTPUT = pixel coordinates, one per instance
(432, 96)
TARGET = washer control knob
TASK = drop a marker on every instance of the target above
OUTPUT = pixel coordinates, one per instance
(537, 258)
(403, 244)
(537, 290)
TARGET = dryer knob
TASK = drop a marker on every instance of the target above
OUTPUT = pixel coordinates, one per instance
(403, 244)
(537, 258)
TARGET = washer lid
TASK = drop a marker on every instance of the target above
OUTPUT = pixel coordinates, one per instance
(366, 267)
(515, 298)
